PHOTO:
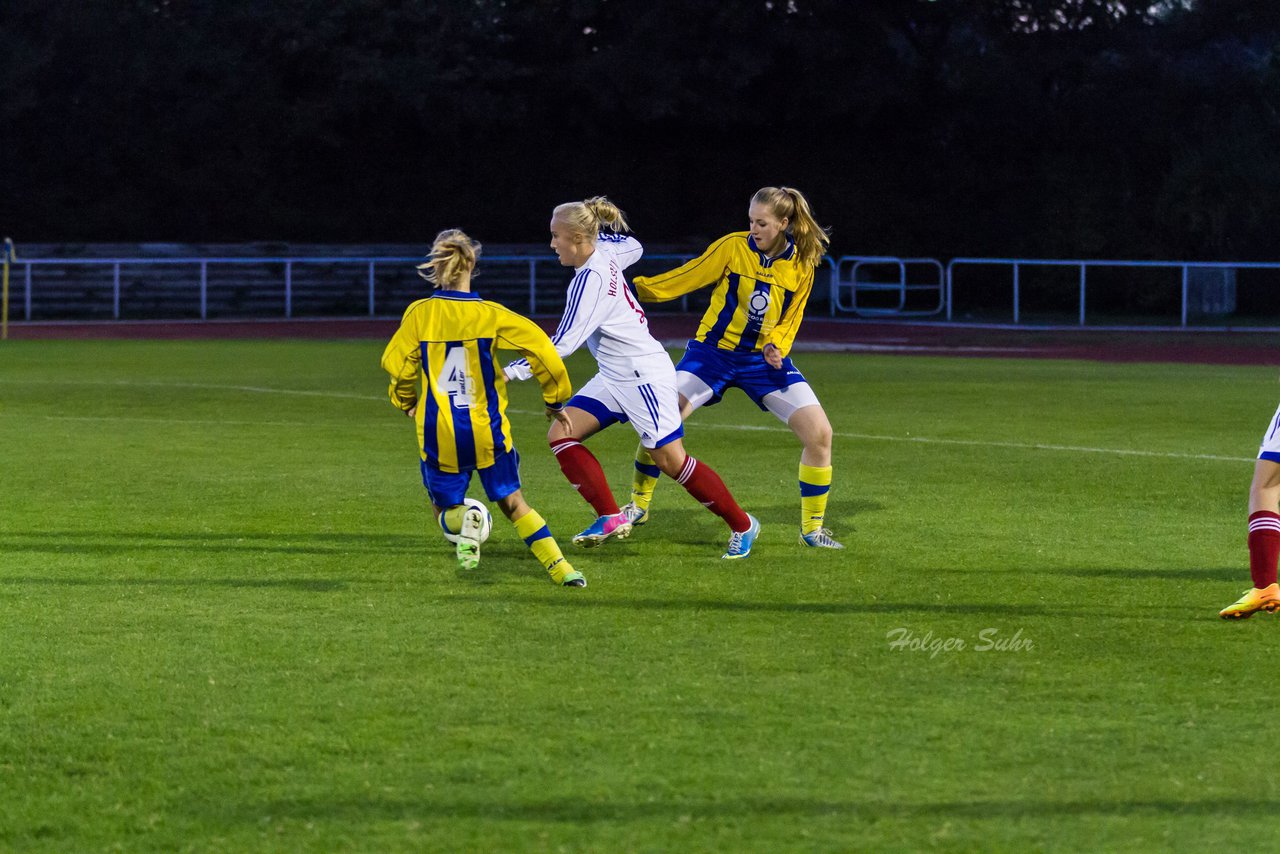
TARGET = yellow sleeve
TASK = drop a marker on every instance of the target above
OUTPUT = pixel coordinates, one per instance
(401, 360)
(706, 269)
(519, 333)
(784, 333)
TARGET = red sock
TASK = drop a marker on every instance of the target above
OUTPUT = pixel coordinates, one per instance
(585, 475)
(704, 484)
(1264, 547)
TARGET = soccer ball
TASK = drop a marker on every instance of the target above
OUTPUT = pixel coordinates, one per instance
(452, 536)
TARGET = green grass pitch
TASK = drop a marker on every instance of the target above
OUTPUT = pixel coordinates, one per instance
(227, 623)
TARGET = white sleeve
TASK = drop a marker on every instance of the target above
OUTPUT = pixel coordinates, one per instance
(624, 249)
(518, 370)
(584, 312)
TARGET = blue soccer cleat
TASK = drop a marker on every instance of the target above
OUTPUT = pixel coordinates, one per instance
(820, 539)
(604, 528)
(741, 541)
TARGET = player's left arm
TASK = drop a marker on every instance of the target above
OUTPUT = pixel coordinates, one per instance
(783, 335)
(519, 333)
(623, 248)
(401, 360)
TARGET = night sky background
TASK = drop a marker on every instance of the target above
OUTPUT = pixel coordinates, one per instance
(929, 127)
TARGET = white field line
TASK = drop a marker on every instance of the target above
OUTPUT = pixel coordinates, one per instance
(866, 437)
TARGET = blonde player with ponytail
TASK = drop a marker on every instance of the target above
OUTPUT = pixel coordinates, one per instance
(443, 366)
(636, 381)
(762, 279)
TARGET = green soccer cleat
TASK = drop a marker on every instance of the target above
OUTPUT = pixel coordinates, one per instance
(468, 549)
(565, 575)
(1254, 600)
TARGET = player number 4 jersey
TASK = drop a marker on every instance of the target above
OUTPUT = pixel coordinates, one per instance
(447, 346)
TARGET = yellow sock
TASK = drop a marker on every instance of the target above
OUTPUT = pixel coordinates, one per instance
(453, 517)
(532, 528)
(815, 483)
(645, 478)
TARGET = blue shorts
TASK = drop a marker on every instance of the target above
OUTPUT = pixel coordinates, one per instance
(724, 369)
(447, 488)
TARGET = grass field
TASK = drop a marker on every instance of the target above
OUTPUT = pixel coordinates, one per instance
(227, 624)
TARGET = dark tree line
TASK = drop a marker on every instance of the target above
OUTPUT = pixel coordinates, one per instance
(935, 127)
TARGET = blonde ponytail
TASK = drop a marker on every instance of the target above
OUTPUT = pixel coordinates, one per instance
(588, 218)
(453, 257)
(790, 204)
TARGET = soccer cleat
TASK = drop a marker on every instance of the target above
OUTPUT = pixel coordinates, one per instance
(603, 528)
(469, 538)
(1254, 600)
(820, 539)
(741, 541)
(634, 514)
(565, 575)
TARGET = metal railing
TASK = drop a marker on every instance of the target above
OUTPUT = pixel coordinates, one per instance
(861, 285)
(281, 273)
(1016, 266)
(887, 276)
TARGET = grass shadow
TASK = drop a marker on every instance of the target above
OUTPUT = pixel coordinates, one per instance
(297, 542)
(307, 585)
(685, 604)
(593, 811)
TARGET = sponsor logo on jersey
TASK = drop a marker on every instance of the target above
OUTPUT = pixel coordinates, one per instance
(758, 305)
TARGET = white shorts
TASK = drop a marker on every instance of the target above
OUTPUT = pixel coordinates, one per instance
(1270, 449)
(651, 404)
(782, 403)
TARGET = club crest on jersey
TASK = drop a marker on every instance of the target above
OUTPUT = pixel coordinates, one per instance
(758, 305)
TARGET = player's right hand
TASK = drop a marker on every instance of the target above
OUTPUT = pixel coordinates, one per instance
(561, 416)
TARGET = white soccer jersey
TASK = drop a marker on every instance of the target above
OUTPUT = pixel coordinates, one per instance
(603, 313)
(1270, 448)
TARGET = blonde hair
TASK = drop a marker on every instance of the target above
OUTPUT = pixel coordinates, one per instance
(453, 257)
(590, 216)
(790, 204)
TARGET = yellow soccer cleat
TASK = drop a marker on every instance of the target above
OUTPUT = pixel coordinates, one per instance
(1254, 600)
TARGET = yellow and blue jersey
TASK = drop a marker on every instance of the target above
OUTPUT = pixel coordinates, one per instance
(443, 360)
(758, 300)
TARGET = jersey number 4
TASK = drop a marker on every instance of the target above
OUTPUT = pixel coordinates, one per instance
(454, 380)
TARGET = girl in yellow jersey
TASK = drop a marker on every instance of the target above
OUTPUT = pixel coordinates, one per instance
(445, 375)
(762, 279)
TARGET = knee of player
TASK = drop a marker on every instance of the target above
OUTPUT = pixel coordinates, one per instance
(670, 460)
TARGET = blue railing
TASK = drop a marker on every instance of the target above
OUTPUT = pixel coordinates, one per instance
(885, 285)
(513, 276)
(860, 285)
(1016, 266)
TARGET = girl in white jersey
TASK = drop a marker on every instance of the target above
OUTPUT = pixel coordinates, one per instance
(636, 381)
(1264, 531)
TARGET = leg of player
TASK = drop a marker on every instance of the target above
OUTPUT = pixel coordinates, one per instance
(702, 482)
(645, 479)
(468, 522)
(1264, 544)
(813, 429)
(532, 528)
(585, 475)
